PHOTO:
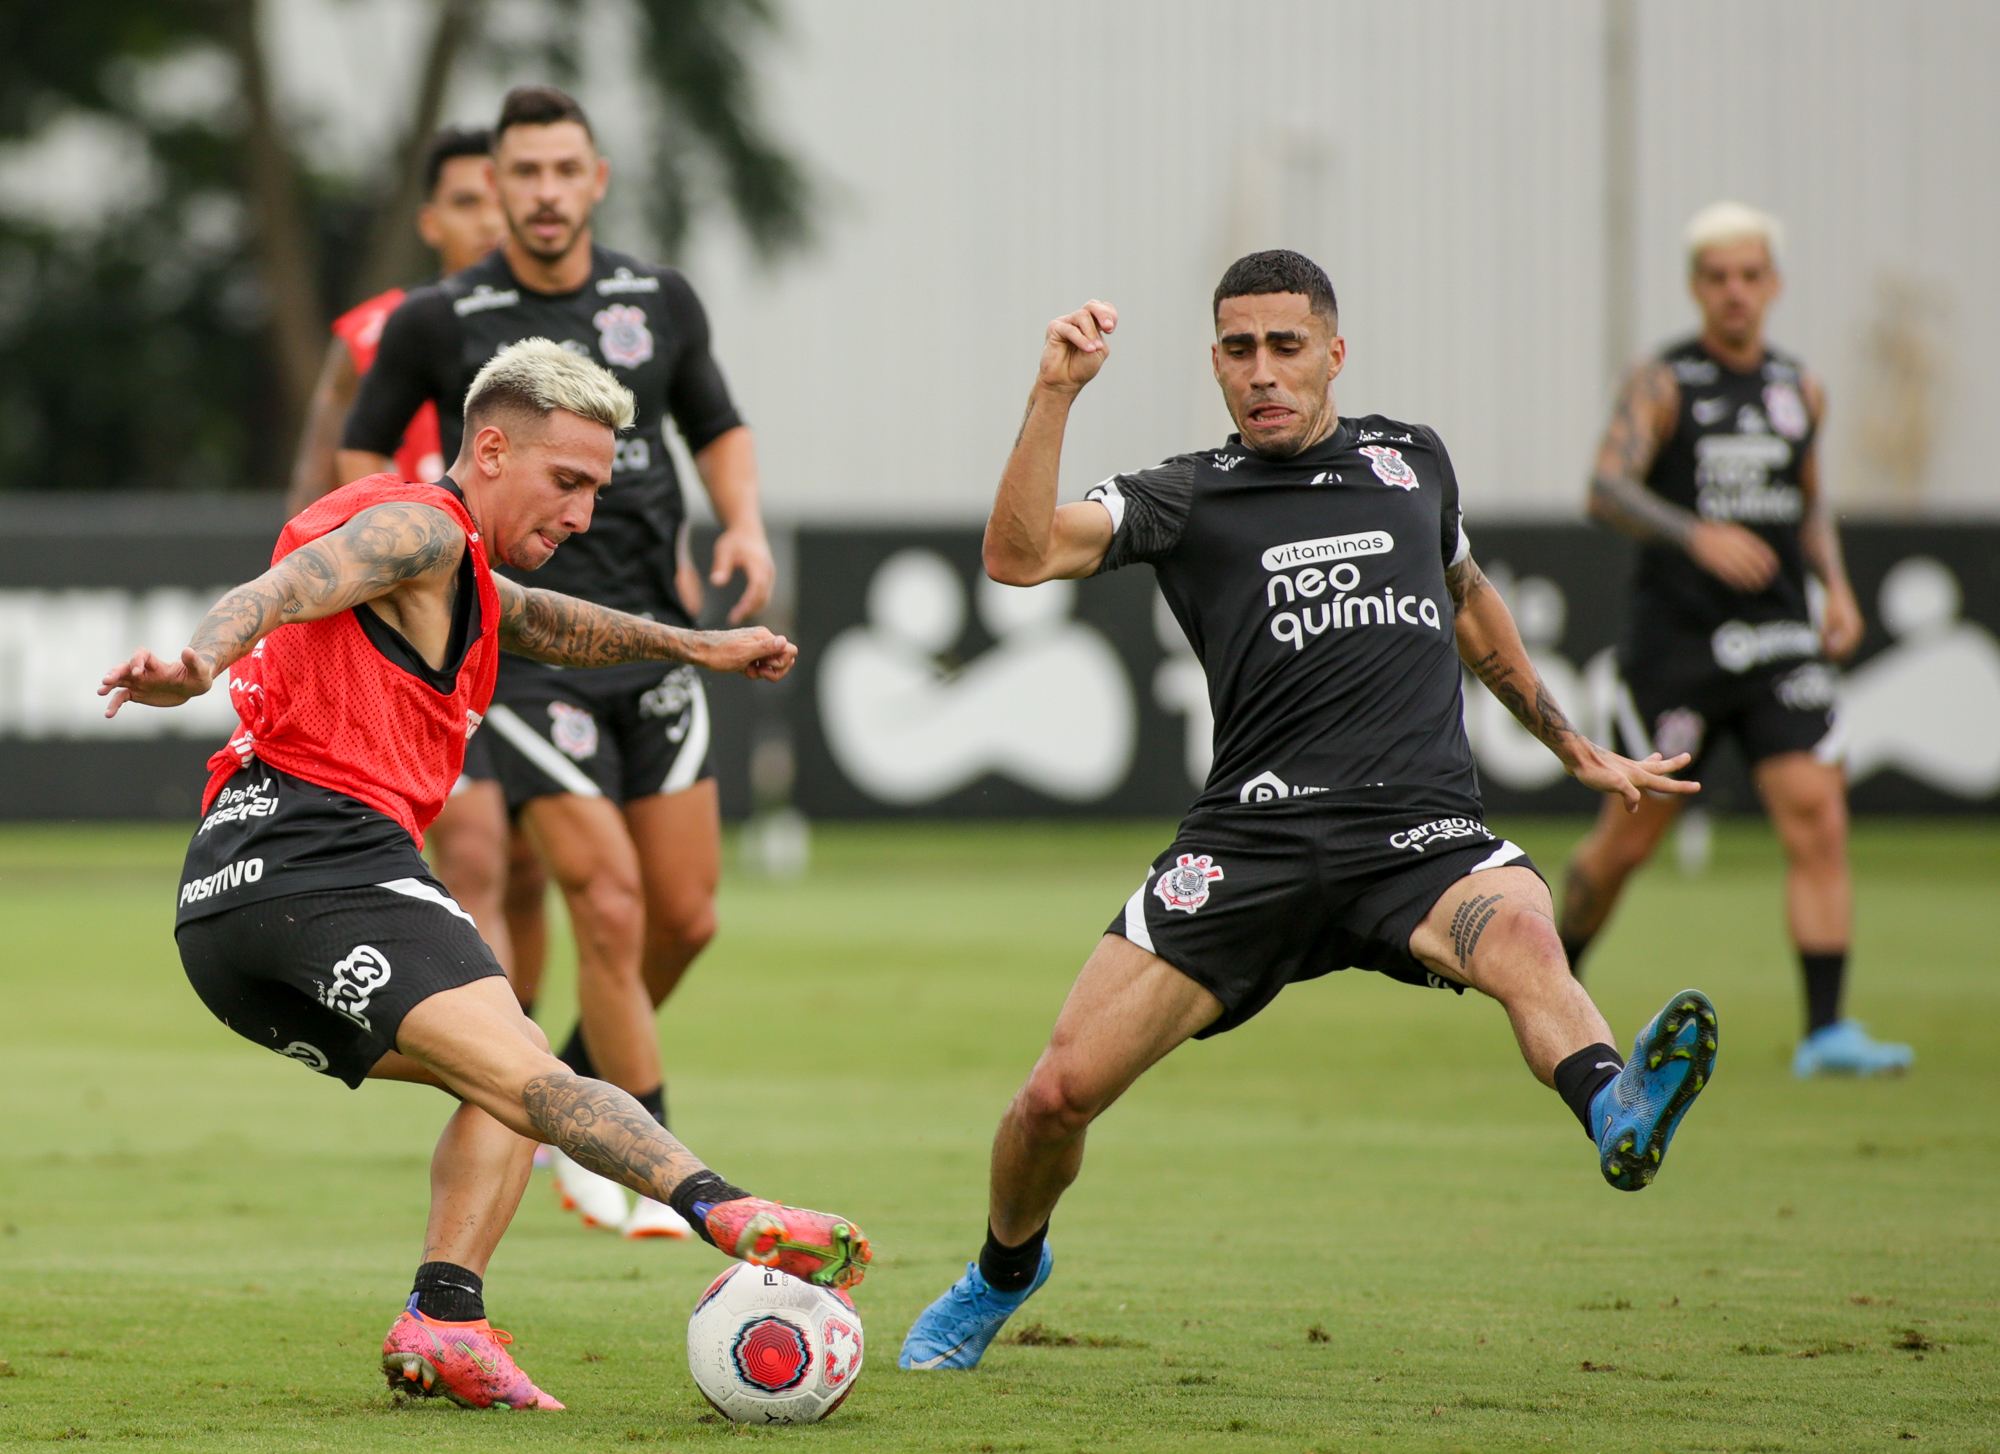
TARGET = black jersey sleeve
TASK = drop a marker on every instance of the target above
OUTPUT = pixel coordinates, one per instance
(1149, 510)
(1453, 543)
(417, 341)
(697, 397)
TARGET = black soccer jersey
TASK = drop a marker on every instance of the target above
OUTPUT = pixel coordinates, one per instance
(1313, 591)
(641, 321)
(1735, 456)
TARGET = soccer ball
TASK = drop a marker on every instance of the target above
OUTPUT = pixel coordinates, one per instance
(766, 1348)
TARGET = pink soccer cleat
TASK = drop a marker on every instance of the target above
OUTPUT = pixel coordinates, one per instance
(824, 1250)
(467, 1363)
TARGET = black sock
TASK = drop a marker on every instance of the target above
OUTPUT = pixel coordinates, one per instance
(693, 1197)
(1825, 974)
(655, 1102)
(576, 1055)
(1573, 948)
(1011, 1269)
(1580, 1077)
(450, 1293)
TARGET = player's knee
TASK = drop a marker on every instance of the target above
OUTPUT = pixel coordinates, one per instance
(685, 928)
(1519, 942)
(1053, 1106)
(612, 909)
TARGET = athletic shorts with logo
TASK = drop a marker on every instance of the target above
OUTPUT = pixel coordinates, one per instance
(1254, 897)
(611, 732)
(309, 924)
(1684, 699)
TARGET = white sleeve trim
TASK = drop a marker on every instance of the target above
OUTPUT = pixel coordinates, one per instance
(1464, 545)
(1112, 499)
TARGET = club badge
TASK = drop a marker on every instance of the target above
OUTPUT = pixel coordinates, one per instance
(573, 730)
(1185, 885)
(1786, 411)
(1390, 466)
(622, 336)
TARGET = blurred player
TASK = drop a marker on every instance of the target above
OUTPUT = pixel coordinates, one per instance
(1712, 463)
(308, 922)
(460, 220)
(1319, 567)
(607, 768)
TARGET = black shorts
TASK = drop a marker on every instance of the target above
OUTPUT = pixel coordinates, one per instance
(326, 977)
(1682, 701)
(1251, 899)
(478, 763)
(608, 732)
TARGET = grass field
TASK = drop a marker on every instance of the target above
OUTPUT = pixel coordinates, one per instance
(201, 1244)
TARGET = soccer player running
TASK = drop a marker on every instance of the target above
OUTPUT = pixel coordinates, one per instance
(1712, 464)
(308, 922)
(460, 220)
(606, 768)
(1318, 567)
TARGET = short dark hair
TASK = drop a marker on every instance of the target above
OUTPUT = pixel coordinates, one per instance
(450, 143)
(1280, 271)
(540, 106)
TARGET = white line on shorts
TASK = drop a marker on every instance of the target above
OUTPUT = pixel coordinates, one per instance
(694, 748)
(416, 888)
(540, 751)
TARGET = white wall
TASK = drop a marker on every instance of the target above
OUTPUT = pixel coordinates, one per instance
(991, 166)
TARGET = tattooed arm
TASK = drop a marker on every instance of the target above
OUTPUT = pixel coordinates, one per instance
(1648, 407)
(1491, 647)
(1841, 625)
(548, 626)
(380, 551)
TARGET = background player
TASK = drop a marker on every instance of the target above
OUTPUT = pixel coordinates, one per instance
(307, 921)
(608, 767)
(460, 220)
(1316, 565)
(1712, 464)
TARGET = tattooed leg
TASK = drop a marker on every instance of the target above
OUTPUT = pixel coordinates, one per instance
(605, 1130)
(1495, 932)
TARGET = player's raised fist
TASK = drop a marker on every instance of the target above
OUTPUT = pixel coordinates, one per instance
(752, 650)
(1076, 347)
(156, 683)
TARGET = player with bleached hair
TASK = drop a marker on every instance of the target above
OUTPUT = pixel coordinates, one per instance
(308, 921)
(1319, 567)
(1712, 464)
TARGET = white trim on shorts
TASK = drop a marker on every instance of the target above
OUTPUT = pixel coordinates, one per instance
(1505, 854)
(694, 747)
(1135, 918)
(416, 888)
(540, 751)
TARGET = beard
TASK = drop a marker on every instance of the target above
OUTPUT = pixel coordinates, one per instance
(536, 248)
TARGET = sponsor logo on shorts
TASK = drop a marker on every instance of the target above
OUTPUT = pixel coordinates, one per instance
(229, 876)
(1678, 731)
(233, 805)
(1185, 885)
(671, 698)
(1739, 646)
(1390, 467)
(310, 1056)
(622, 335)
(355, 980)
(573, 730)
(1808, 688)
(1440, 830)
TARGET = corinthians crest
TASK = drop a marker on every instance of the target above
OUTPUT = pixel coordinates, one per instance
(1390, 466)
(1185, 885)
(622, 335)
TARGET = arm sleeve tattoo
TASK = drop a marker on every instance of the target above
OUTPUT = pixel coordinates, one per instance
(549, 626)
(1618, 494)
(1505, 668)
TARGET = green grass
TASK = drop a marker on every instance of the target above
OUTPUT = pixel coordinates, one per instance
(201, 1244)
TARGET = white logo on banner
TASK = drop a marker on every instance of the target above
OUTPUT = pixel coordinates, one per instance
(55, 647)
(1049, 705)
(1929, 706)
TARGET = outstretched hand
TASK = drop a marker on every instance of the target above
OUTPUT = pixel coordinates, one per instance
(156, 683)
(753, 651)
(1606, 771)
(1076, 346)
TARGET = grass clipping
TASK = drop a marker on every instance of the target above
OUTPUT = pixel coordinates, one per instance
(1041, 1335)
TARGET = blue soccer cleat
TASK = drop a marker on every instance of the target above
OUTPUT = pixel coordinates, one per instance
(953, 1331)
(1844, 1048)
(1635, 1114)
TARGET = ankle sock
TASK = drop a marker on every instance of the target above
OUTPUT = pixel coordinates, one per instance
(1573, 950)
(450, 1293)
(693, 1197)
(1825, 976)
(1011, 1269)
(1581, 1076)
(576, 1055)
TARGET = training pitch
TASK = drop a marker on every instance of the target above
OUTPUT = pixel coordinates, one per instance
(1354, 1224)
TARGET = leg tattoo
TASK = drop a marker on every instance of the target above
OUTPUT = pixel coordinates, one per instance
(1469, 923)
(604, 1130)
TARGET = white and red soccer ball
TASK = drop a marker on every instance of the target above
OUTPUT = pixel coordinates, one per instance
(767, 1348)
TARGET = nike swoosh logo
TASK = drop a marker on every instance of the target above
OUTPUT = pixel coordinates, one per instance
(926, 1364)
(1607, 1065)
